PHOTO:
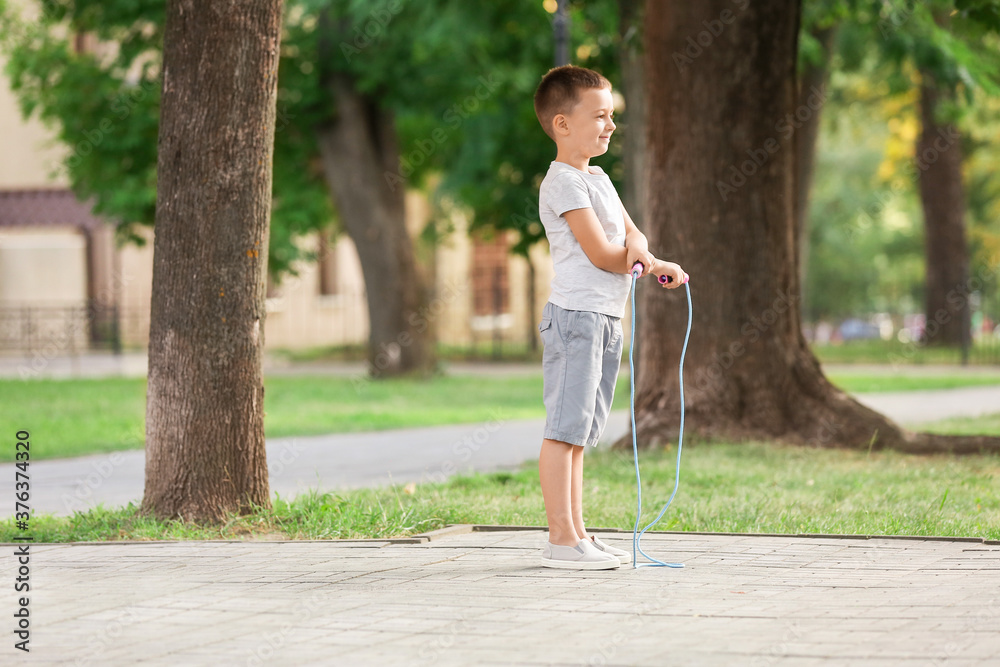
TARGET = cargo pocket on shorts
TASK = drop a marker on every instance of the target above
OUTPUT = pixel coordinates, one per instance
(549, 333)
(617, 341)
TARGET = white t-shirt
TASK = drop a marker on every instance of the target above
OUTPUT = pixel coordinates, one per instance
(578, 284)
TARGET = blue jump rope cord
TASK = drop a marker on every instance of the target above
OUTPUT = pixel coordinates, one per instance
(636, 533)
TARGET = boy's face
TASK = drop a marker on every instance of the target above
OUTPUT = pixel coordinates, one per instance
(588, 127)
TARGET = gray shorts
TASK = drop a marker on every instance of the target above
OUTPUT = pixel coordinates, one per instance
(583, 351)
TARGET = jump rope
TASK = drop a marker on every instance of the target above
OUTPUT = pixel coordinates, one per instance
(636, 533)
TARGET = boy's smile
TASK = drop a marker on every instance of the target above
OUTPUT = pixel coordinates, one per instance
(586, 131)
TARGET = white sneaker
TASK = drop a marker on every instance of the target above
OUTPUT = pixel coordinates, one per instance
(584, 556)
(623, 557)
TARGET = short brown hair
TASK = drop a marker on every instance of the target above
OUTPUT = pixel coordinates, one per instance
(560, 89)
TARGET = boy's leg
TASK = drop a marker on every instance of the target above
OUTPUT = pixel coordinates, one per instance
(576, 493)
(555, 470)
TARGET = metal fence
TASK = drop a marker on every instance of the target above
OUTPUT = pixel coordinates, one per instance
(60, 330)
(71, 330)
(985, 350)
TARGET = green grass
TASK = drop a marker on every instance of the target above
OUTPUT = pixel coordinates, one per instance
(852, 352)
(882, 382)
(483, 350)
(74, 417)
(751, 487)
(904, 354)
(77, 417)
(986, 425)
(309, 405)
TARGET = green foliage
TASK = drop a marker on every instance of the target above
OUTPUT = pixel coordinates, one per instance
(944, 38)
(435, 65)
(497, 171)
(103, 106)
(866, 251)
(459, 80)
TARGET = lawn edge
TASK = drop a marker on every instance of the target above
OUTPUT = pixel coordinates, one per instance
(452, 530)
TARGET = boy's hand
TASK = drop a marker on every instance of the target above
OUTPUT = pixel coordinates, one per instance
(639, 253)
(672, 271)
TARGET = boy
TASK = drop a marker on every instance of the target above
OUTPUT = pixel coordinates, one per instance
(594, 244)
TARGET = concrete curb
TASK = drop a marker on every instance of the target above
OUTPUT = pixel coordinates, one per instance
(455, 529)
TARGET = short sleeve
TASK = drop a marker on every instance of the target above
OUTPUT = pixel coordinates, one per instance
(568, 192)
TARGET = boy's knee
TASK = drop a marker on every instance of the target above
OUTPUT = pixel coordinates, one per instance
(559, 444)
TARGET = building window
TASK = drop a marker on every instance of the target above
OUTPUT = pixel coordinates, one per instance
(272, 289)
(327, 259)
(491, 290)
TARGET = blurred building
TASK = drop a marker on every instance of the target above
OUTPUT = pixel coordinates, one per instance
(66, 287)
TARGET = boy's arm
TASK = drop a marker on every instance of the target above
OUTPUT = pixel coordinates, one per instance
(590, 235)
(632, 234)
(637, 245)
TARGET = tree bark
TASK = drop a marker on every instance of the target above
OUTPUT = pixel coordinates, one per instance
(361, 163)
(532, 333)
(720, 170)
(633, 128)
(205, 453)
(939, 162)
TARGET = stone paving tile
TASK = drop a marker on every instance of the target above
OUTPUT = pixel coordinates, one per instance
(481, 598)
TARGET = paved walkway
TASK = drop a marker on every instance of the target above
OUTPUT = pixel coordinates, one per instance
(479, 598)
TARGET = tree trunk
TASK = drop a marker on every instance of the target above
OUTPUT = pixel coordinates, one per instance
(205, 453)
(633, 128)
(720, 169)
(362, 167)
(939, 162)
(811, 98)
(532, 305)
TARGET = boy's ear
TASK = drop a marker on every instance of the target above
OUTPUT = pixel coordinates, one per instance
(559, 124)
